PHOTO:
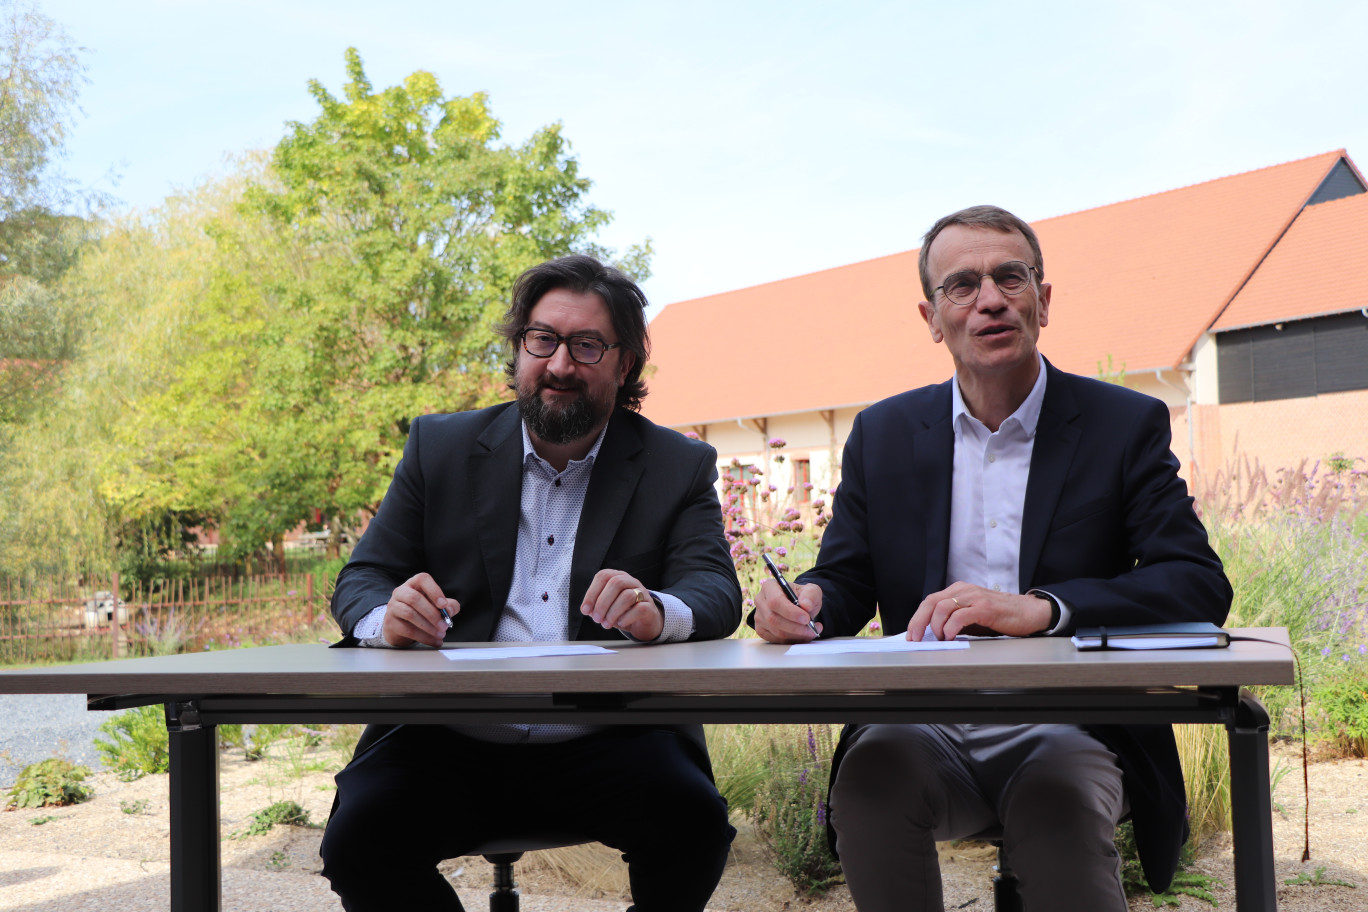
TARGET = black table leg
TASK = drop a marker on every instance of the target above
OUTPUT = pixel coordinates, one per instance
(1251, 807)
(195, 864)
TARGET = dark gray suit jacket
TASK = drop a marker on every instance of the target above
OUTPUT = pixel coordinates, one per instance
(452, 510)
(1108, 527)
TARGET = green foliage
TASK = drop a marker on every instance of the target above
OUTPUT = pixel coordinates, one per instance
(137, 742)
(790, 810)
(1340, 707)
(740, 760)
(284, 813)
(266, 735)
(1205, 755)
(1185, 882)
(39, 73)
(134, 807)
(1111, 374)
(53, 782)
(1318, 879)
(252, 352)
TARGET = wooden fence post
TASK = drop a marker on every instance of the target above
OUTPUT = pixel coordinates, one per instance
(116, 649)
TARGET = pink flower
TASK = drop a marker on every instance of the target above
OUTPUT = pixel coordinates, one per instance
(777, 443)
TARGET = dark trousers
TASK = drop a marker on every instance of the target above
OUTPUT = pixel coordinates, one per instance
(425, 793)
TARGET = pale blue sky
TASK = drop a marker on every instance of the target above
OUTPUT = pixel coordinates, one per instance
(755, 141)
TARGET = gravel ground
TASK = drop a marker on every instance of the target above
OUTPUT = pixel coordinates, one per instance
(34, 727)
(112, 852)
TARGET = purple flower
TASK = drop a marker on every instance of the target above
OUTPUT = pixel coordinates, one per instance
(874, 626)
(1363, 649)
(802, 776)
(1325, 651)
(777, 443)
(812, 743)
(821, 812)
(783, 552)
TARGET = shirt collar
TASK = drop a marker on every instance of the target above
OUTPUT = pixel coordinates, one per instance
(1027, 415)
(530, 451)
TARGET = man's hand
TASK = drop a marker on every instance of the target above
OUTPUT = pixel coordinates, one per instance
(779, 620)
(616, 599)
(412, 615)
(965, 608)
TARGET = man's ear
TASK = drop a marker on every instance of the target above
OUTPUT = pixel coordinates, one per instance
(1043, 310)
(928, 313)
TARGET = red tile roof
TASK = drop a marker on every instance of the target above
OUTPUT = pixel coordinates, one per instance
(1139, 280)
(1317, 268)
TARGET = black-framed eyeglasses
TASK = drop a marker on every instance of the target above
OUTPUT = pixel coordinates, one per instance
(962, 288)
(542, 343)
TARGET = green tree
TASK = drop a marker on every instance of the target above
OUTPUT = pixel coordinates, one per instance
(355, 286)
(40, 71)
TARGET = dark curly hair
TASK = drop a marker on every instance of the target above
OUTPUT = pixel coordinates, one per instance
(585, 275)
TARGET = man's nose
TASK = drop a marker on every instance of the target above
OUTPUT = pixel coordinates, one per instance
(990, 297)
(560, 361)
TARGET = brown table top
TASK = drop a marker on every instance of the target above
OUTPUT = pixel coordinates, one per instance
(719, 666)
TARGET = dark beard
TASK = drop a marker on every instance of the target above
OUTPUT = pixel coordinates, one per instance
(559, 426)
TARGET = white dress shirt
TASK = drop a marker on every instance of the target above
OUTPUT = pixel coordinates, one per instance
(988, 493)
(538, 600)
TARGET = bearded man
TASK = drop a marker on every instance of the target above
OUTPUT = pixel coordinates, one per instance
(563, 516)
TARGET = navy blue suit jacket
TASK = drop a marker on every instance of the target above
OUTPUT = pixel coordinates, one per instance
(1108, 527)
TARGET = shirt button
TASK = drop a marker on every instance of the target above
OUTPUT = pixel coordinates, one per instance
(558, 482)
(550, 539)
(992, 523)
(546, 596)
(992, 458)
(995, 589)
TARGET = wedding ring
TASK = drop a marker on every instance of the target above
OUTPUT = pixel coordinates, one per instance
(955, 600)
(640, 596)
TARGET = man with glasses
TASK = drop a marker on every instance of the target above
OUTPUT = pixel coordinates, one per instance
(1014, 499)
(563, 516)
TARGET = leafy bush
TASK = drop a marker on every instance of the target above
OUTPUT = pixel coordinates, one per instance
(285, 813)
(1340, 701)
(265, 735)
(791, 811)
(53, 782)
(1185, 882)
(138, 743)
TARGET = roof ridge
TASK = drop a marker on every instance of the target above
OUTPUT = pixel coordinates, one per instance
(1341, 153)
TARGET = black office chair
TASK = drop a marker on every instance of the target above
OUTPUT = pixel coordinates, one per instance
(503, 853)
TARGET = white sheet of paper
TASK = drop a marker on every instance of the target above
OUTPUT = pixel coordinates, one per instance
(523, 652)
(896, 643)
(1152, 642)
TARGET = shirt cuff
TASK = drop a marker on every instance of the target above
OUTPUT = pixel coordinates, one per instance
(1065, 613)
(679, 619)
(369, 631)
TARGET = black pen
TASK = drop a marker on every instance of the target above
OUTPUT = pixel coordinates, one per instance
(446, 617)
(784, 584)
